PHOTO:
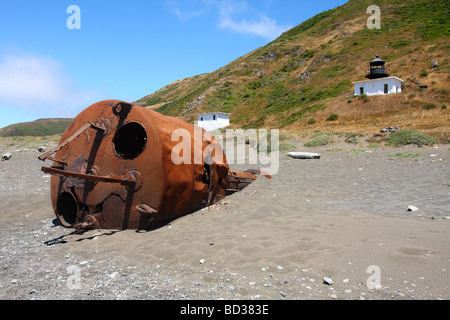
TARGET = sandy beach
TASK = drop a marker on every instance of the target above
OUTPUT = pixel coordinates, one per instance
(336, 217)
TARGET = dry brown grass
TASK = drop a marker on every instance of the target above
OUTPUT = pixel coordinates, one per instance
(377, 113)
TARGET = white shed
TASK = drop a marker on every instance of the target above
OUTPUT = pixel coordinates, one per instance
(213, 121)
(380, 86)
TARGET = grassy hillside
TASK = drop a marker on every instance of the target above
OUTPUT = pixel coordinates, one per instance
(41, 127)
(302, 81)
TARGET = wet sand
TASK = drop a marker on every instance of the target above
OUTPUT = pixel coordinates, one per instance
(276, 240)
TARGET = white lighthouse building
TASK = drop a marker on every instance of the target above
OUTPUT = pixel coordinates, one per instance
(379, 82)
(213, 121)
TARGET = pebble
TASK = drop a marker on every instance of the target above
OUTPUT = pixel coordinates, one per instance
(327, 281)
(282, 293)
(412, 208)
(202, 261)
(280, 268)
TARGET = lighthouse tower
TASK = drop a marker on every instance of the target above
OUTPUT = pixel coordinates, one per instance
(377, 69)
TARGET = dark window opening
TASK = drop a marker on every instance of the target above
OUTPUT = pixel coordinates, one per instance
(386, 89)
(130, 141)
(67, 209)
(214, 117)
(361, 90)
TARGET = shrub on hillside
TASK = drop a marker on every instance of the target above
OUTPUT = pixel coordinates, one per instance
(312, 121)
(333, 117)
(409, 136)
(423, 74)
(429, 106)
(319, 140)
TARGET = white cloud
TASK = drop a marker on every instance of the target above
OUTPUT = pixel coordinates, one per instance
(262, 26)
(37, 84)
(229, 14)
(265, 27)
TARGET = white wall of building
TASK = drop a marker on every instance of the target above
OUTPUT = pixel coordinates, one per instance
(377, 86)
(213, 121)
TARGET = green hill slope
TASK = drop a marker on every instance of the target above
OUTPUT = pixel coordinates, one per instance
(297, 81)
(41, 127)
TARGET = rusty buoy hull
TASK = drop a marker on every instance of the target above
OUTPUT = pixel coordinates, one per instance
(114, 168)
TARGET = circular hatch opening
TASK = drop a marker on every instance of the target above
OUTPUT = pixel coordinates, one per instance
(130, 141)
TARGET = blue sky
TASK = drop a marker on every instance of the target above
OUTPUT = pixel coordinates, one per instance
(125, 49)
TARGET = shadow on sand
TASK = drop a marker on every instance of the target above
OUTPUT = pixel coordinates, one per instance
(63, 239)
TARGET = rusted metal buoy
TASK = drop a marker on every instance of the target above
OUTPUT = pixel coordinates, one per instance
(115, 169)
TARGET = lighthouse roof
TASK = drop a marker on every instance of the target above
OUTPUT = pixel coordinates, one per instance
(377, 61)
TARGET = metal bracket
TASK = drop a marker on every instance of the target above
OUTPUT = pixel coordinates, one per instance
(97, 126)
(127, 181)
